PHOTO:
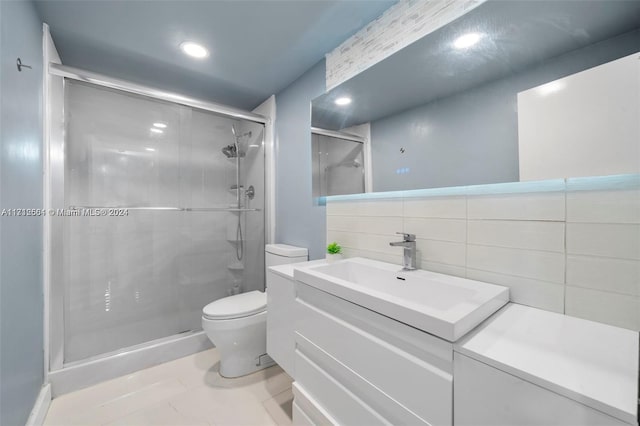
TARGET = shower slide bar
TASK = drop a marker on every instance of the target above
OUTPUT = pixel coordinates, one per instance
(138, 89)
(178, 209)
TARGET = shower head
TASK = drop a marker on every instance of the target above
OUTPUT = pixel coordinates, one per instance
(230, 151)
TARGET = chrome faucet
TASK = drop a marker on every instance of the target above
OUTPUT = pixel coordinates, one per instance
(409, 244)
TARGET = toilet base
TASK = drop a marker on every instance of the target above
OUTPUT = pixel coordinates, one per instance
(241, 342)
(237, 366)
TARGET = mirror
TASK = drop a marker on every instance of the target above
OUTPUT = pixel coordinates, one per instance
(511, 91)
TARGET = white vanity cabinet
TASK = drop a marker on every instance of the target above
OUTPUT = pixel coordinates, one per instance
(354, 366)
(281, 297)
(487, 396)
(525, 366)
(520, 366)
(280, 303)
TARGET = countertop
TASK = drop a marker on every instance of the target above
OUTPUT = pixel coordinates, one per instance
(286, 270)
(592, 363)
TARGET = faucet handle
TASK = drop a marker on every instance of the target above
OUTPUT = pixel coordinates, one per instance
(407, 237)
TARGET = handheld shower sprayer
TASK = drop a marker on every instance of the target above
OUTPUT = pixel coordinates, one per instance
(231, 151)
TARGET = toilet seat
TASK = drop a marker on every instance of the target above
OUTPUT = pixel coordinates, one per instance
(236, 306)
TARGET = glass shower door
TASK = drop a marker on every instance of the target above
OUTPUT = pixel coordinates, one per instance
(337, 166)
(146, 274)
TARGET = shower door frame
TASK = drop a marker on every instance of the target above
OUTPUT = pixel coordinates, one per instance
(54, 185)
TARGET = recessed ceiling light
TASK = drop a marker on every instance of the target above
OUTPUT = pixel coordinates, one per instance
(343, 101)
(154, 130)
(160, 125)
(467, 40)
(194, 49)
(150, 149)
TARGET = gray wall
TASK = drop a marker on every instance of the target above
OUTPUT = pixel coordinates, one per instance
(21, 300)
(298, 221)
(472, 137)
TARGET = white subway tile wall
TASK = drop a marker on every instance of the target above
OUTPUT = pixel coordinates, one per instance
(603, 256)
(402, 24)
(575, 252)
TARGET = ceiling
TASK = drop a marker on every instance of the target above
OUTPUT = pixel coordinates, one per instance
(258, 47)
(518, 36)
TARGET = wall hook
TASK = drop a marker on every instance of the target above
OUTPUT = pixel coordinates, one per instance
(20, 65)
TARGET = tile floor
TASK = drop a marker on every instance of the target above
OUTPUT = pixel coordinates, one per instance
(187, 391)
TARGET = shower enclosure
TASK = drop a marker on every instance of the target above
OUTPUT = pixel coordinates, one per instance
(163, 214)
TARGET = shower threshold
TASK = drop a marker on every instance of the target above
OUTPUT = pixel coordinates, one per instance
(131, 348)
(90, 371)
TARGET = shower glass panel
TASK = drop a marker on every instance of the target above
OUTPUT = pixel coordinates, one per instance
(147, 275)
(337, 167)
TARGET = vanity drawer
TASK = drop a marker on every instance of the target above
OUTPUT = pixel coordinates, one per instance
(342, 394)
(412, 367)
(306, 411)
(299, 417)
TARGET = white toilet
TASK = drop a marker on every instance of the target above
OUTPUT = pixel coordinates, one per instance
(237, 325)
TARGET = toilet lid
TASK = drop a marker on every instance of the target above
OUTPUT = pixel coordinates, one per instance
(236, 306)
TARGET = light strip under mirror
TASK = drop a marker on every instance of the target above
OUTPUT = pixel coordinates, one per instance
(590, 183)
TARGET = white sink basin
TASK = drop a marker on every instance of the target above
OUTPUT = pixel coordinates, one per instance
(442, 305)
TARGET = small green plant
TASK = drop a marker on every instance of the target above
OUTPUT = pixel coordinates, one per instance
(334, 248)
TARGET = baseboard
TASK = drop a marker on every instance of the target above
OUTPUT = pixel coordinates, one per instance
(41, 406)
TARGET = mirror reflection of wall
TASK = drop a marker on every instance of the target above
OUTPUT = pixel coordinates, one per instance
(338, 163)
(445, 110)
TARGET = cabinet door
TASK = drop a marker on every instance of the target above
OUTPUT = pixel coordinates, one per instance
(484, 395)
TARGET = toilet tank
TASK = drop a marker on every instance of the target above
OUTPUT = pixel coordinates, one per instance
(280, 254)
